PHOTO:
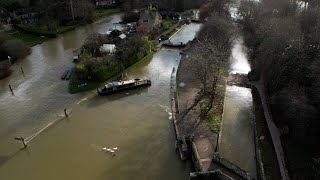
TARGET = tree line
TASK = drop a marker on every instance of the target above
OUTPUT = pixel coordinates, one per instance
(164, 5)
(62, 11)
(284, 41)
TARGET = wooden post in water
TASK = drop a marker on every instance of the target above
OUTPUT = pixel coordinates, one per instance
(65, 112)
(22, 72)
(11, 89)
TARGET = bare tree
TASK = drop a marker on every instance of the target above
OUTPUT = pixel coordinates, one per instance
(210, 56)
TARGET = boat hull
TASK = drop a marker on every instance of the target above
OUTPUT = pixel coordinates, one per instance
(103, 93)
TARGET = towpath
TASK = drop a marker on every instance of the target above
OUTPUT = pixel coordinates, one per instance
(274, 131)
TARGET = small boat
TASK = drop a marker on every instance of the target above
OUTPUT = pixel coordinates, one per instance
(69, 74)
(64, 74)
(114, 87)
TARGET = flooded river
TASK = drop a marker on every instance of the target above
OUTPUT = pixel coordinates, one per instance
(237, 136)
(186, 34)
(136, 122)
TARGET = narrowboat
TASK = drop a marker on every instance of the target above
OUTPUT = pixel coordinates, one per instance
(114, 87)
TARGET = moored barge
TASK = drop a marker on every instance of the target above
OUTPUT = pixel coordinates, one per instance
(114, 87)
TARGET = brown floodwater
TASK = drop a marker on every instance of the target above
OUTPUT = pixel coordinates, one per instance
(137, 122)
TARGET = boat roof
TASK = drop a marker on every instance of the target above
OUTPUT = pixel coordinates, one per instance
(118, 83)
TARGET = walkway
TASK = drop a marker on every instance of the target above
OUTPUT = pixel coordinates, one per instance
(274, 131)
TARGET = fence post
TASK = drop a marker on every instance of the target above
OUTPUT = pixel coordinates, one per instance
(11, 89)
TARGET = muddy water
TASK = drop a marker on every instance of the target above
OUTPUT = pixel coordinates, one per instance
(237, 138)
(136, 122)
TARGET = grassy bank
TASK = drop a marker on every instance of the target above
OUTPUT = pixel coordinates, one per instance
(29, 39)
(268, 155)
(74, 82)
(217, 109)
(32, 33)
(49, 30)
(54, 28)
(167, 23)
(98, 13)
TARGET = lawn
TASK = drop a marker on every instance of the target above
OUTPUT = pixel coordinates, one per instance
(29, 39)
(74, 82)
(104, 12)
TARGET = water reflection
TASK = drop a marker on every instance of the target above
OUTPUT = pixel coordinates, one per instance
(239, 59)
(237, 143)
(98, 100)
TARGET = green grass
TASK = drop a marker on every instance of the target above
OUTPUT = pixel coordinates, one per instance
(167, 23)
(217, 109)
(104, 12)
(28, 39)
(73, 86)
(53, 27)
(268, 156)
(143, 60)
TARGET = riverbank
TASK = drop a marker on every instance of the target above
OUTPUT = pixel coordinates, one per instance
(35, 34)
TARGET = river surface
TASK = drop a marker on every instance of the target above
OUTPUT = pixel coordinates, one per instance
(186, 34)
(136, 122)
(237, 136)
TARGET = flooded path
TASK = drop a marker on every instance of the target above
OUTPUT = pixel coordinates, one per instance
(136, 122)
(237, 136)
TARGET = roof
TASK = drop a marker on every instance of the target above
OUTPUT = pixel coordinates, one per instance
(108, 48)
(113, 84)
(122, 36)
